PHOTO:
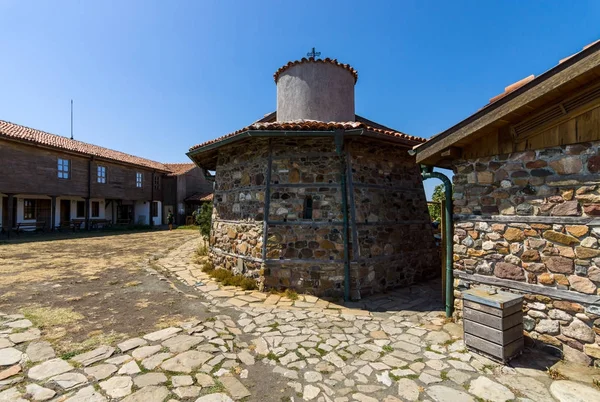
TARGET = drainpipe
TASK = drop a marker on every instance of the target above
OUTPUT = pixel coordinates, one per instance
(151, 219)
(428, 173)
(339, 148)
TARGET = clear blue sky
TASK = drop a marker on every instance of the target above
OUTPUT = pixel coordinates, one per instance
(153, 78)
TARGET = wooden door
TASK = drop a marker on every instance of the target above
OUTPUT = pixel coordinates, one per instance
(65, 211)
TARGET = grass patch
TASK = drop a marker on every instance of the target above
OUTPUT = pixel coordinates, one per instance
(555, 374)
(188, 227)
(444, 375)
(387, 348)
(69, 355)
(44, 317)
(419, 360)
(217, 387)
(449, 342)
(291, 294)
(227, 278)
(272, 356)
(202, 250)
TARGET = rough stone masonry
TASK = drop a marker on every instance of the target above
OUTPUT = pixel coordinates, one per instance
(528, 222)
(387, 218)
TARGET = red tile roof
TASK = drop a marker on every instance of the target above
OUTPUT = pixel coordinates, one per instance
(33, 136)
(513, 87)
(311, 125)
(313, 60)
(200, 197)
(179, 168)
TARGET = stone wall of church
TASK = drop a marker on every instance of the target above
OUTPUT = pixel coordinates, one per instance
(393, 238)
(299, 202)
(238, 208)
(527, 222)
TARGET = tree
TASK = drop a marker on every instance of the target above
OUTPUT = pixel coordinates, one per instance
(435, 210)
(203, 217)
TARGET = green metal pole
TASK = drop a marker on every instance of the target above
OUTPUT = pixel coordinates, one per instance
(339, 147)
(427, 173)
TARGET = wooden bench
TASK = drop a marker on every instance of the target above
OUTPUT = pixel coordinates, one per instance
(77, 224)
(123, 222)
(36, 226)
(100, 223)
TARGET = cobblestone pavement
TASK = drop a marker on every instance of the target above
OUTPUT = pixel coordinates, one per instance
(400, 349)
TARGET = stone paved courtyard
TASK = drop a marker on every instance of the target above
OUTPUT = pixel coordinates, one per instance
(257, 347)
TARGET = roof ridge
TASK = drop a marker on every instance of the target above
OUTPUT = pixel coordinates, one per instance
(304, 125)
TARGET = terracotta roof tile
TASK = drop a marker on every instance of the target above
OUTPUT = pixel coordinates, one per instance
(311, 125)
(179, 168)
(200, 197)
(313, 60)
(22, 133)
(513, 87)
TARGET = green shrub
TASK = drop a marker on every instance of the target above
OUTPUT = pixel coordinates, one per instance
(208, 267)
(203, 217)
(291, 294)
(227, 278)
(202, 250)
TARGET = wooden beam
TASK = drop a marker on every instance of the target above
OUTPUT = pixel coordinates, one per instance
(567, 295)
(451, 153)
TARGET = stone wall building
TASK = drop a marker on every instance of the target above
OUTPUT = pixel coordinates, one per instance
(527, 200)
(333, 194)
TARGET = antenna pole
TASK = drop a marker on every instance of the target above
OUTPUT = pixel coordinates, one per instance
(71, 118)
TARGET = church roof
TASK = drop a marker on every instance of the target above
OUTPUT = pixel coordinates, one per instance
(313, 60)
(267, 123)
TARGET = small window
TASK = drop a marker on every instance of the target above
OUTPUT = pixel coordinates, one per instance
(308, 208)
(138, 179)
(157, 182)
(101, 174)
(80, 209)
(29, 209)
(155, 209)
(95, 209)
(63, 168)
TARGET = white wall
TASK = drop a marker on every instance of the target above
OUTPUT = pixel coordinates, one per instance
(101, 211)
(73, 211)
(157, 220)
(142, 209)
(142, 212)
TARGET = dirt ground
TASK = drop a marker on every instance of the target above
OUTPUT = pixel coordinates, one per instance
(84, 289)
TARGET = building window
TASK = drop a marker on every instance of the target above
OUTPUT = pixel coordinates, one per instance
(80, 209)
(156, 182)
(95, 209)
(63, 168)
(308, 208)
(154, 209)
(29, 209)
(138, 179)
(101, 174)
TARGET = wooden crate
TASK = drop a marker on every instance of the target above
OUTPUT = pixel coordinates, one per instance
(493, 323)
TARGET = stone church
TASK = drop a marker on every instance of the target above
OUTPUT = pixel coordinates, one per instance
(316, 198)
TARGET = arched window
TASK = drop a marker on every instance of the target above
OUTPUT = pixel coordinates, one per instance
(308, 207)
